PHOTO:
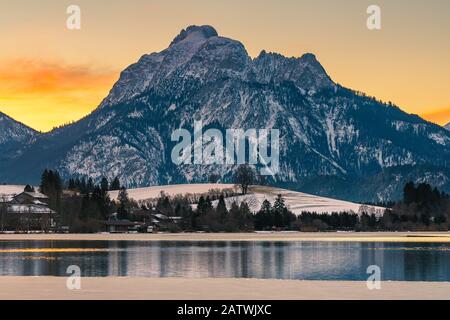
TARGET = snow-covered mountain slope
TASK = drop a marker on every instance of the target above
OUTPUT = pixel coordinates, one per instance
(13, 131)
(329, 134)
(447, 126)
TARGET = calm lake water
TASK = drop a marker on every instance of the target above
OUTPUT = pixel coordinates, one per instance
(264, 260)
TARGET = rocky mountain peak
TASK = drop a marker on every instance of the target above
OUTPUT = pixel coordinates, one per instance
(199, 52)
(309, 57)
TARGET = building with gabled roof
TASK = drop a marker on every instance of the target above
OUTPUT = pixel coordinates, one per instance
(26, 211)
(30, 198)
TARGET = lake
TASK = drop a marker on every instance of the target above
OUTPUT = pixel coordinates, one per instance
(228, 259)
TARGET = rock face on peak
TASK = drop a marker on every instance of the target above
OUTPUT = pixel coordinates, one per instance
(305, 72)
(204, 32)
(333, 141)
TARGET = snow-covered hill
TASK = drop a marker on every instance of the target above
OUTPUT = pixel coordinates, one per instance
(147, 193)
(447, 126)
(11, 190)
(297, 202)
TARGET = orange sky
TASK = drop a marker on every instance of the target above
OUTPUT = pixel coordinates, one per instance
(45, 95)
(441, 116)
(50, 75)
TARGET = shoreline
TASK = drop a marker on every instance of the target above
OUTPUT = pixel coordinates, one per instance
(114, 288)
(411, 237)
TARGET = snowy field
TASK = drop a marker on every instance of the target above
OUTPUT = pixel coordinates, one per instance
(171, 190)
(11, 189)
(297, 202)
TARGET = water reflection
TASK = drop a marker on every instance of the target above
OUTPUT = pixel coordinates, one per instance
(265, 260)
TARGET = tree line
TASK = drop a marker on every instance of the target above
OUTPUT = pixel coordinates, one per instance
(425, 211)
(83, 210)
(84, 185)
(85, 205)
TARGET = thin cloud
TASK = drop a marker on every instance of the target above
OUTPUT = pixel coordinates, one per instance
(26, 77)
(45, 94)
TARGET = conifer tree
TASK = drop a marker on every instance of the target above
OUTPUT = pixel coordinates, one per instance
(115, 185)
(124, 204)
(221, 209)
(104, 184)
(90, 186)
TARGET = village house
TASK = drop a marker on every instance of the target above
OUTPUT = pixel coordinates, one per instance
(26, 211)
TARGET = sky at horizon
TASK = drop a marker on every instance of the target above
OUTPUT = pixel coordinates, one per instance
(50, 75)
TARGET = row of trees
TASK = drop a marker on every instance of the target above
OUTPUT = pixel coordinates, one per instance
(87, 186)
(426, 209)
(90, 204)
(205, 216)
(422, 208)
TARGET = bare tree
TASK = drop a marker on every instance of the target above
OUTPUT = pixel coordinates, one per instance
(244, 177)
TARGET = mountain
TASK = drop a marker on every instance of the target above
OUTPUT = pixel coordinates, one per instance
(447, 126)
(13, 135)
(333, 141)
